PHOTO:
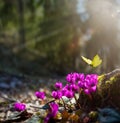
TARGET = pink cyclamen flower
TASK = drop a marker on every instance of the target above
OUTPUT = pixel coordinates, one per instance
(19, 106)
(81, 77)
(72, 77)
(91, 82)
(68, 87)
(75, 77)
(53, 112)
(69, 94)
(40, 95)
(90, 90)
(74, 87)
(58, 85)
(56, 94)
(81, 84)
(64, 90)
(54, 108)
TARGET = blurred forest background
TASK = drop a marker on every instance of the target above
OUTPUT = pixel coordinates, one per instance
(48, 37)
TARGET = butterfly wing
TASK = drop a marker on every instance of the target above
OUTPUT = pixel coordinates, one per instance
(96, 61)
(88, 61)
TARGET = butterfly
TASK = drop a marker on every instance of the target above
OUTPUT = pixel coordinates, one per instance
(95, 62)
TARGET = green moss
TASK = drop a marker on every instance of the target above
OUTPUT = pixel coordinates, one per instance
(109, 89)
(108, 93)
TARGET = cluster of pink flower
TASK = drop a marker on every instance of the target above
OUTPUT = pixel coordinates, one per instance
(76, 82)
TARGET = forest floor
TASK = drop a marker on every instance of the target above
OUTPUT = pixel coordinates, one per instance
(15, 88)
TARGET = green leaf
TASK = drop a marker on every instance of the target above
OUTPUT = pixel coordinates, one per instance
(96, 61)
(88, 61)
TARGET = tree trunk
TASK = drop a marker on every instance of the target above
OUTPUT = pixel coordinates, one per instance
(21, 21)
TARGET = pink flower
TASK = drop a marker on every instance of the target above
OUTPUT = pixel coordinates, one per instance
(90, 90)
(74, 87)
(69, 94)
(81, 84)
(19, 106)
(81, 77)
(56, 94)
(72, 77)
(40, 95)
(64, 90)
(53, 111)
(68, 87)
(58, 85)
(90, 85)
(53, 108)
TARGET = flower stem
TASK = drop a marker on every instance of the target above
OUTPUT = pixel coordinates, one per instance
(78, 104)
(63, 103)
